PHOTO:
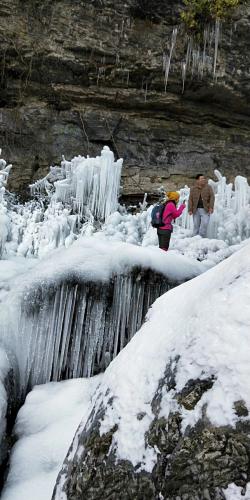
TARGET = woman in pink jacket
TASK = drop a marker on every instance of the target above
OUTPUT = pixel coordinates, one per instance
(170, 213)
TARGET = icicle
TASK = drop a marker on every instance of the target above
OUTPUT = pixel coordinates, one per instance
(216, 44)
(127, 81)
(168, 60)
(75, 329)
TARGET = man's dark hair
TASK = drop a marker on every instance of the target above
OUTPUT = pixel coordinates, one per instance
(198, 176)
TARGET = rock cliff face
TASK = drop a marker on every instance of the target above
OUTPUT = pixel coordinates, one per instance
(78, 74)
(195, 466)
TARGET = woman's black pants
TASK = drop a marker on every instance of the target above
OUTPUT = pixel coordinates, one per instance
(164, 236)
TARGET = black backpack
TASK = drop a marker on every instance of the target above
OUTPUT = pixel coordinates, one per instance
(156, 215)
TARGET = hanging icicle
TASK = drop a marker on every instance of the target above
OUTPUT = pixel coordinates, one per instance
(167, 60)
(76, 329)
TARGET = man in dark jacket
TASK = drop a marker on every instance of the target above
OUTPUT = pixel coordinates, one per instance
(201, 204)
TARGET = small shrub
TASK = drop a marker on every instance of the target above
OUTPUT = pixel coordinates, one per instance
(199, 13)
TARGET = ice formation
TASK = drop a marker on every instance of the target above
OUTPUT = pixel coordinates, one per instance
(167, 59)
(77, 199)
(89, 185)
(70, 297)
(200, 59)
(70, 313)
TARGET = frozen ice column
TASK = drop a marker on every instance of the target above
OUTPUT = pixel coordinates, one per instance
(91, 185)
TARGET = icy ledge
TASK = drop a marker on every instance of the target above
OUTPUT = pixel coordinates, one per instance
(69, 314)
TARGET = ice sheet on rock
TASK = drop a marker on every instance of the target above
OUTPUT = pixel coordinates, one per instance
(45, 427)
(181, 328)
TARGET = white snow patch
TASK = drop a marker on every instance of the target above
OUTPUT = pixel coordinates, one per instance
(233, 492)
(45, 428)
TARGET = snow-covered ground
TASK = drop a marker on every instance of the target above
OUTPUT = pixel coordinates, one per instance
(45, 427)
(205, 321)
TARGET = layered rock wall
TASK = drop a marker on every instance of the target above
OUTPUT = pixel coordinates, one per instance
(76, 75)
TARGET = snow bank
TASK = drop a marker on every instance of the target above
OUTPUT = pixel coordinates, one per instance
(45, 427)
(234, 492)
(203, 328)
(94, 259)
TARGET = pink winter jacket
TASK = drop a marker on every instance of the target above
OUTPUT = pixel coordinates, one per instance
(170, 213)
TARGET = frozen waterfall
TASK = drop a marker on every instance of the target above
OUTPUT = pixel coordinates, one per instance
(70, 313)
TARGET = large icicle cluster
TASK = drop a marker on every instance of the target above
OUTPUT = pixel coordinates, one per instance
(89, 185)
(200, 59)
(79, 192)
(69, 314)
(76, 330)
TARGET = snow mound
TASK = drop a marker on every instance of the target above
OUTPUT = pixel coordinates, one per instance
(202, 328)
(96, 260)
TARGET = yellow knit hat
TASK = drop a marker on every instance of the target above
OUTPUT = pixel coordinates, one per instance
(173, 195)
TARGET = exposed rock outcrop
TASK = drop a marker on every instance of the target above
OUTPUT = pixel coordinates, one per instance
(196, 465)
(76, 75)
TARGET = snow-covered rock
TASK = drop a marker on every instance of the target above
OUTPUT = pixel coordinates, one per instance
(171, 416)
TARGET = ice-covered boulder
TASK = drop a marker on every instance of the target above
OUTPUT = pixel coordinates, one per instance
(170, 419)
